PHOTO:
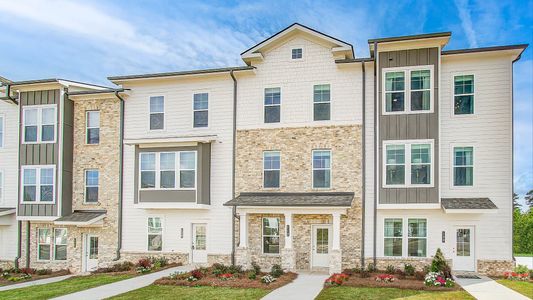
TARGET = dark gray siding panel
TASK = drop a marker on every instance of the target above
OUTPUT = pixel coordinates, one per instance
(410, 126)
(67, 159)
(204, 176)
(173, 196)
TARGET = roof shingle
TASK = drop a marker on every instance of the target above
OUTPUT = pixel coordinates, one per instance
(340, 199)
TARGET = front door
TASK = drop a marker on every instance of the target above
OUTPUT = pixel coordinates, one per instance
(464, 250)
(91, 253)
(199, 243)
(322, 237)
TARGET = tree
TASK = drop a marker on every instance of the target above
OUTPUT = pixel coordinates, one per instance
(516, 205)
(529, 199)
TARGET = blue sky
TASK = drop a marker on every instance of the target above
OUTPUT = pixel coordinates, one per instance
(92, 39)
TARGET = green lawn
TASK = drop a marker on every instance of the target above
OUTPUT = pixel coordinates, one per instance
(345, 293)
(67, 286)
(524, 288)
(524, 254)
(161, 292)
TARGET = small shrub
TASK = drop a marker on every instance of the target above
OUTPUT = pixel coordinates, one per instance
(516, 276)
(426, 269)
(226, 276)
(364, 274)
(336, 279)
(400, 273)
(276, 271)
(268, 279)
(5, 275)
(256, 267)
(252, 275)
(385, 278)
(348, 272)
(390, 269)
(198, 273)
(144, 262)
(371, 268)
(159, 262)
(419, 275)
(179, 275)
(29, 271)
(218, 269)
(235, 269)
(437, 279)
(409, 269)
(521, 269)
(21, 277)
(439, 262)
(43, 272)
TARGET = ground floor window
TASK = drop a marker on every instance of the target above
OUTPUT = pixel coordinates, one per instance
(60, 244)
(271, 235)
(417, 237)
(396, 243)
(155, 234)
(393, 237)
(44, 243)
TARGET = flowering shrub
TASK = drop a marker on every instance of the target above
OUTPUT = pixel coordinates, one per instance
(267, 279)
(437, 279)
(225, 276)
(337, 279)
(197, 273)
(144, 265)
(385, 278)
(28, 271)
(516, 276)
(23, 276)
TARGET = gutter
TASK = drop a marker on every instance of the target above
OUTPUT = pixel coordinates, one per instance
(8, 97)
(363, 179)
(120, 182)
(376, 111)
(234, 208)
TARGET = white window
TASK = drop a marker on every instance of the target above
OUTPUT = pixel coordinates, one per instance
(168, 170)
(91, 186)
(92, 132)
(321, 102)
(157, 113)
(321, 169)
(201, 110)
(1, 131)
(44, 243)
(397, 243)
(463, 166)
(297, 53)
(272, 105)
(407, 90)
(463, 91)
(271, 235)
(155, 234)
(39, 124)
(408, 163)
(271, 169)
(60, 244)
(38, 184)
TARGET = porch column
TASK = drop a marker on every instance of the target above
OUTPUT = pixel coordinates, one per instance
(243, 230)
(288, 230)
(288, 255)
(336, 231)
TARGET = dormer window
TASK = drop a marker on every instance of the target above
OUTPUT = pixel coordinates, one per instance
(297, 53)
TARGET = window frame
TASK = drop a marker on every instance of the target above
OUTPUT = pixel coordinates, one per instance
(56, 244)
(50, 229)
(407, 162)
(454, 115)
(86, 186)
(177, 169)
(87, 126)
(150, 113)
(408, 237)
(38, 184)
(330, 169)
(263, 236)
(200, 110)
(148, 233)
(405, 236)
(407, 89)
(264, 170)
(301, 48)
(452, 166)
(39, 123)
(393, 237)
(265, 105)
(313, 103)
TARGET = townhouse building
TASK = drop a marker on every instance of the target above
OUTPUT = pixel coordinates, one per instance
(306, 156)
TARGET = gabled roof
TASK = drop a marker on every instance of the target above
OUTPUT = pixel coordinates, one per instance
(337, 45)
(329, 199)
(4, 80)
(118, 79)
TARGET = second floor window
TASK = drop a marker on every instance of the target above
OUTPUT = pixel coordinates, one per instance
(463, 91)
(91, 186)
(272, 105)
(93, 127)
(168, 170)
(201, 110)
(321, 102)
(408, 90)
(271, 169)
(407, 164)
(155, 234)
(38, 184)
(463, 166)
(157, 113)
(39, 124)
(321, 168)
(394, 91)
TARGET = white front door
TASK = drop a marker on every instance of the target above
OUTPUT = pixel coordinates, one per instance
(322, 237)
(464, 249)
(91, 253)
(199, 243)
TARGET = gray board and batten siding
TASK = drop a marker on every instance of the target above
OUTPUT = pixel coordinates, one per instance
(409, 126)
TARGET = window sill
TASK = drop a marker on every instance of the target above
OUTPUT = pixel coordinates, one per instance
(170, 205)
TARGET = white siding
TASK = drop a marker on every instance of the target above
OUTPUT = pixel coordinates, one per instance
(296, 79)
(178, 122)
(369, 161)
(9, 168)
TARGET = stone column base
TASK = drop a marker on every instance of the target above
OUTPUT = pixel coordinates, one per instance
(288, 259)
(242, 257)
(335, 261)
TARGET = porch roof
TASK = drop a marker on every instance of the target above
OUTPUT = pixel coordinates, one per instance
(82, 217)
(310, 199)
(451, 205)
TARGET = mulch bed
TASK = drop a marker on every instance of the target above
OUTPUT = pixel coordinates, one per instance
(133, 271)
(4, 281)
(239, 281)
(409, 283)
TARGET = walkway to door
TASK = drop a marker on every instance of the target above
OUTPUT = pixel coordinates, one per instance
(488, 289)
(306, 287)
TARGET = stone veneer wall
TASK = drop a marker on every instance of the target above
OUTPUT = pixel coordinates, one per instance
(296, 145)
(173, 257)
(494, 267)
(383, 263)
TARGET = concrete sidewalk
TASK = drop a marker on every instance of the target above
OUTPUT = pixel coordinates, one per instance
(307, 286)
(124, 286)
(488, 289)
(34, 282)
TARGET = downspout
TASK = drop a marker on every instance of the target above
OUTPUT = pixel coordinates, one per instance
(19, 223)
(233, 208)
(363, 142)
(28, 244)
(120, 182)
(19, 244)
(376, 111)
(8, 95)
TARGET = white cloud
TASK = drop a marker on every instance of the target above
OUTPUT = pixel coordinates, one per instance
(466, 22)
